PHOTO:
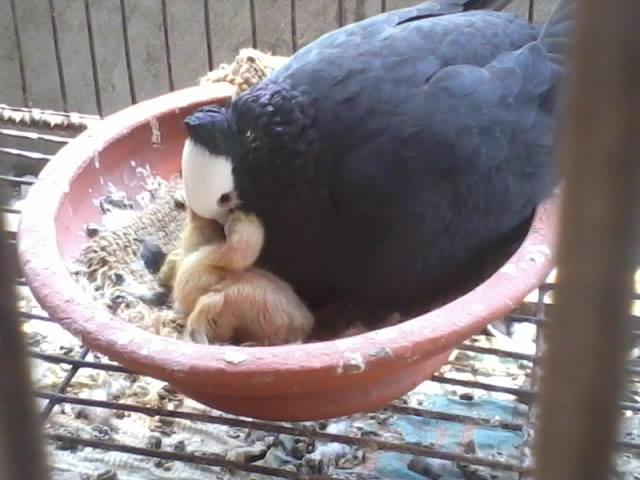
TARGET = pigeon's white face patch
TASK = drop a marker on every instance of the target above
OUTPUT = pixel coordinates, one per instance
(206, 178)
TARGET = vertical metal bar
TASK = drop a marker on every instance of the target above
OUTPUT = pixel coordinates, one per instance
(207, 33)
(383, 5)
(588, 337)
(23, 75)
(21, 454)
(94, 60)
(66, 381)
(341, 13)
(254, 29)
(294, 27)
(531, 15)
(167, 44)
(532, 409)
(127, 50)
(56, 44)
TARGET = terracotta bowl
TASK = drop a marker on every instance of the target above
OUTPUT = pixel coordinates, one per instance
(289, 383)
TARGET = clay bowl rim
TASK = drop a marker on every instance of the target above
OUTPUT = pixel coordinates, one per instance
(224, 369)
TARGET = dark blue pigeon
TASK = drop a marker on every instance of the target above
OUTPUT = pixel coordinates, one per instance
(387, 155)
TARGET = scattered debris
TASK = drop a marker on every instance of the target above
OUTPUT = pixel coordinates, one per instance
(107, 475)
(430, 468)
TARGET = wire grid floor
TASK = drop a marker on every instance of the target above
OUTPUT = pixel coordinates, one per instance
(58, 128)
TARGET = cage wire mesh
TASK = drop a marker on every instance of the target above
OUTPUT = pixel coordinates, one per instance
(474, 420)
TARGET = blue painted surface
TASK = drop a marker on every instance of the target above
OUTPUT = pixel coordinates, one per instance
(452, 436)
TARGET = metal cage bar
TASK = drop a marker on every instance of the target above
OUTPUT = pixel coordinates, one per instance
(597, 253)
(94, 61)
(21, 454)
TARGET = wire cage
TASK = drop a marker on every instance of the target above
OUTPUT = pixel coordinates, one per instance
(474, 420)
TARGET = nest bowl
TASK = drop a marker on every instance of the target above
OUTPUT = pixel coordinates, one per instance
(288, 383)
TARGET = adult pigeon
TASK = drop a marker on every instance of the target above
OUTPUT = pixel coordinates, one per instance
(387, 155)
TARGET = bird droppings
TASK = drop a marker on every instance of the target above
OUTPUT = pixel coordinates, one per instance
(156, 135)
(542, 249)
(100, 432)
(382, 352)
(154, 442)
(144, 199)
(509, 269)
(180, 446)
(537, 254)
(107, 475)
(145, 350)
(124, 338)
(386, 334)
(235, 357)
(116, 200)
(536, 257)
(352, 363)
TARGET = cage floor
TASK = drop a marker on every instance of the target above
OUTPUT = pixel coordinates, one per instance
(474, 420)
